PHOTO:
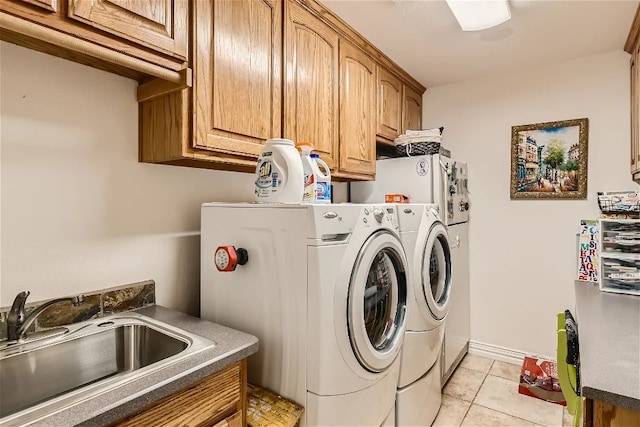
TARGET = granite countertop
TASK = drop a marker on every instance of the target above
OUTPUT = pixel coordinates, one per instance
(609, 338)
(126, 399)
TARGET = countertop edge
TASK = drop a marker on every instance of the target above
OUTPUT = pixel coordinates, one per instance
(609, 345)
(625, 402)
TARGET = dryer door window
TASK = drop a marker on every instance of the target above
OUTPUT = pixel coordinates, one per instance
(377, 301)
(436, 272)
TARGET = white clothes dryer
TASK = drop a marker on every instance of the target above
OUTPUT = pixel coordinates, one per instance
(324, 288)
(425, 239)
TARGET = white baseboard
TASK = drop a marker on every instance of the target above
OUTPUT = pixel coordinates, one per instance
(496, 352)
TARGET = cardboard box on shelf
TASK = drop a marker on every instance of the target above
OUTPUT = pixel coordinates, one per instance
(397, 198)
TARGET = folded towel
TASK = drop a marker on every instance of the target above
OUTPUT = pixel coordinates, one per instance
(403, 140)
(425, 132)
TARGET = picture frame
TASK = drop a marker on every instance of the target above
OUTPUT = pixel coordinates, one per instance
(549, 160)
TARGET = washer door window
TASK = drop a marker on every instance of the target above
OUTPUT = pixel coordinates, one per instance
(377, 301)
(436, 271)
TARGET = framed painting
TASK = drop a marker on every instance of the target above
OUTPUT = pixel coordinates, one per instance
(549, 160)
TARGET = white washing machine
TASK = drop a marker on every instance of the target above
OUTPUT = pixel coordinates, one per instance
(444, 181)
(324, 288)
(425, 240)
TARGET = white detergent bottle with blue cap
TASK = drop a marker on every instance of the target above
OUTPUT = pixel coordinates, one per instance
(309, 192)
(323, 179)
(279, 175)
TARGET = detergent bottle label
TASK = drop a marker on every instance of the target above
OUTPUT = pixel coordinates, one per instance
(268, 177)
(323, 191)
(309, 188)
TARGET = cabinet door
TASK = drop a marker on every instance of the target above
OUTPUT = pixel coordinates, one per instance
(206, 403)
(159, 24)
(237, 75)
(389, 98)
(234, 420)
(311, 92)
(357, 111)
(607, 415)
(635, 111)
(50, 5)
(412, 111)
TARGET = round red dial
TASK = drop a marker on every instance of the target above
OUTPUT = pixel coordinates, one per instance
(227, 258)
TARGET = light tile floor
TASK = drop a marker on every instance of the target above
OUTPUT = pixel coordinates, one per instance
(484, 393)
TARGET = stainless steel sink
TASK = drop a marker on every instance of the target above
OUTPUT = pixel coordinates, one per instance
(45, 375)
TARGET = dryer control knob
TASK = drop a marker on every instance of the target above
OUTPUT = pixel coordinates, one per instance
(227, 258)
(378, 214)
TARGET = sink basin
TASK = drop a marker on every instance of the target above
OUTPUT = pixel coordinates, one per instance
(45, 375)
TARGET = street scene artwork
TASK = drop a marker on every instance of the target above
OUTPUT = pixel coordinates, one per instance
(549, 160)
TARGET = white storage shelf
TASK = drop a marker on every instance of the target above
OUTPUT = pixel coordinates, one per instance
(619, 249)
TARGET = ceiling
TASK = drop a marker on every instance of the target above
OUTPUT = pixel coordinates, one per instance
(423, 37)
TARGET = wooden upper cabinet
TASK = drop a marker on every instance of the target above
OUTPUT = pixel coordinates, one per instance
(635, 137)
(161, 25)
(278, 68)
(237, 75)
(412, 111)
(389, 99)
(311, 82)
(632, 45)
(357, 111)
(635, 96)
(49, 5)
(635, 112)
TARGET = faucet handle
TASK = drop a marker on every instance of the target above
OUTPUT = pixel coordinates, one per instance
(21, 298)
(17, 309)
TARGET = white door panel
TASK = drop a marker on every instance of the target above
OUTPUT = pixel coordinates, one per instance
(457, 322)
(256, 297)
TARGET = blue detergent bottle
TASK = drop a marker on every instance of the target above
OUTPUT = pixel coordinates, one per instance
(323, 179)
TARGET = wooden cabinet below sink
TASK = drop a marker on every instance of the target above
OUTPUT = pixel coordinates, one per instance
(603, 414)
(219, 400)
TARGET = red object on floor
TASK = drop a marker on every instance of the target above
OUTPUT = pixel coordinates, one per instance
(539, 379)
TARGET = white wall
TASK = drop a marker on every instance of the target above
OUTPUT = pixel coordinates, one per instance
(79, 213)
(523, 251)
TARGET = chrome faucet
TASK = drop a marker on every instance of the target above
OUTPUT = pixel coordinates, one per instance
(17, 320)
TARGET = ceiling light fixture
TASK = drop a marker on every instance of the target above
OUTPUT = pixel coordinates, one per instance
(475, 15)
